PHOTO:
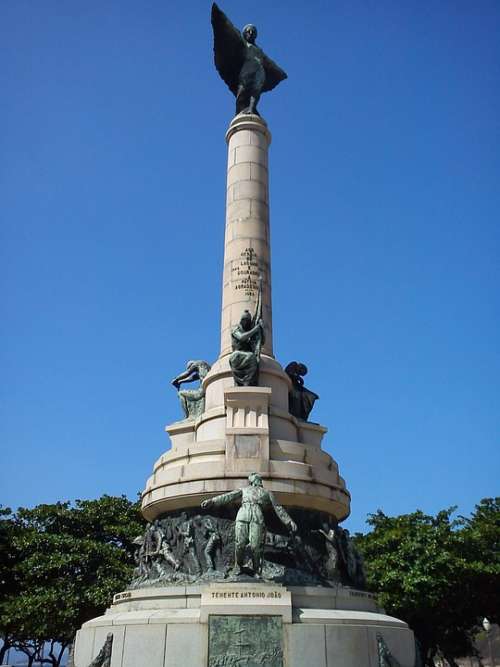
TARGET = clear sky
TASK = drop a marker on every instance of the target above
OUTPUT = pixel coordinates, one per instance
(385, 199)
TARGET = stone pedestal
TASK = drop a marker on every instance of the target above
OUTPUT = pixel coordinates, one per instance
(312, 627)
(247, 429)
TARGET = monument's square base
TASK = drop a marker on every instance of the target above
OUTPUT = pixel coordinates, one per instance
(247, 624)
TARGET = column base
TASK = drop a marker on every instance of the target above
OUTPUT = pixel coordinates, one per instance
(172, 626)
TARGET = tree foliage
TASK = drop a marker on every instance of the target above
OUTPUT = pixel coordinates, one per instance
(441, 575)
(61, 565)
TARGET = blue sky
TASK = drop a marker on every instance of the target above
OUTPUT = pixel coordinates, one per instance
(385, 172)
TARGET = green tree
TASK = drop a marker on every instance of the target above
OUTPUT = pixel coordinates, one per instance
(68, 561)
(440, 575)
(8, 586)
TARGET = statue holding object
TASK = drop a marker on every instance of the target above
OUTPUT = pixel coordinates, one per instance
(243, 66)
(247, 340)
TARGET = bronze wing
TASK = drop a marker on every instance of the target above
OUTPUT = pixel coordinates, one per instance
(229, 49)
(274, 74)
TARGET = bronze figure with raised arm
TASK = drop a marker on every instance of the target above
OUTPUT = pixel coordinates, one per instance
(250, 528)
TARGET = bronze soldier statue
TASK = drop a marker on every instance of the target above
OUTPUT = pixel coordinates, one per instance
(250, 529)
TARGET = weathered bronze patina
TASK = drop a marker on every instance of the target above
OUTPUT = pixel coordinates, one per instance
(247, 341)
(187, 547)
(300, 399)
(243, 66)
(250, 529)
(252, 641)
(192, 400)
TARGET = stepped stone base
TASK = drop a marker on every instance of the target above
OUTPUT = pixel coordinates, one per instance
(317, 627)
(249, 432)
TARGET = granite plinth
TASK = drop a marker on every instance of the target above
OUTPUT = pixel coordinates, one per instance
(170, 626)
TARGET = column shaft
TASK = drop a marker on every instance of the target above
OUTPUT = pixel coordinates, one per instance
(247, 253)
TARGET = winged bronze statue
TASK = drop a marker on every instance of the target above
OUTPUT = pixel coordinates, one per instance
(243, 66)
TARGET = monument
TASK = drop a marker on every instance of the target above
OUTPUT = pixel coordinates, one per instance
(244, 561)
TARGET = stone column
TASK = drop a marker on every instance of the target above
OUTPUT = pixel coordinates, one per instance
(247, 248)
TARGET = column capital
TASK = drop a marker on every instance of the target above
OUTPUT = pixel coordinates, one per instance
(248, 122)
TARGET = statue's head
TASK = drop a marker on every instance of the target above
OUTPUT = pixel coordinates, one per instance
(255, 479)
(246, 320)
(249, 33)
(301, 369)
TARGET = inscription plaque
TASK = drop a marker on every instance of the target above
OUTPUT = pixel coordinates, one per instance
(245, 641)
(246, 271)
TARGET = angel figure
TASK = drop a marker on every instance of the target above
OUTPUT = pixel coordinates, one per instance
(243, 66)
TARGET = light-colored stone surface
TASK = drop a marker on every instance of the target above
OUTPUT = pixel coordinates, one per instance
(337, 597)
(347, 646)
(305, 645)
(241, 430)
(295, 491)
(182, 433)
(84, 647)
(143, 645)
(239, 442)
(270, 375)
(166, 636)
(187, 646)
(247, 429)
(288, 492)
(246, 599)
(246, 250)
(303, 597)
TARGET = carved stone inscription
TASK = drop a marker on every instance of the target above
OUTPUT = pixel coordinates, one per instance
(252, 641)
(245, 272)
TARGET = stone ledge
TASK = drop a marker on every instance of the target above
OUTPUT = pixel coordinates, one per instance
(343, 617)
(290, 493)
(303, 597)
(146, 617)
(250, 122)
(248, 599)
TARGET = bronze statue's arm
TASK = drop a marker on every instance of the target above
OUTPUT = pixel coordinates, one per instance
(187, 376)
(282, 514)
(327, 536)
(244, 336)
(223, 499)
